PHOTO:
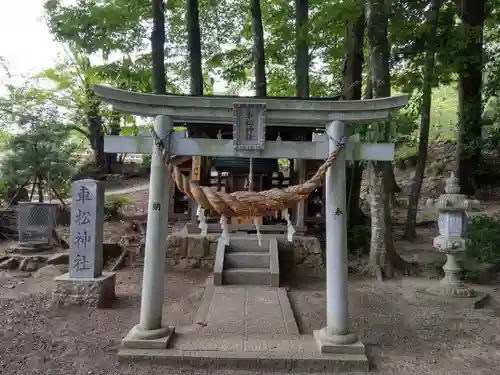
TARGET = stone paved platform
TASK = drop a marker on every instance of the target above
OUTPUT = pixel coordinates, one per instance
(245, 311)
(246, 328)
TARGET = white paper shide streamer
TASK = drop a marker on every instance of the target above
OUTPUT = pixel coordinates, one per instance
(225, 229)
(290, 230)
(200, 213)
(257, 226)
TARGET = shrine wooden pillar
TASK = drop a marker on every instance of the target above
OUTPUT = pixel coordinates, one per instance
(198, 173)
(196, 166)
(300, 173)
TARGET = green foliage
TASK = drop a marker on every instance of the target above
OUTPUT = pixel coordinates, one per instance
(492, 141)
(491, 118)
(113, 205)
(42, 150)
(405, 151)
(483, 234)
(117, 33)
(444, 113)
(4, 188)
(437, 167)
(406, 156)
(104, 26)
(146, 162)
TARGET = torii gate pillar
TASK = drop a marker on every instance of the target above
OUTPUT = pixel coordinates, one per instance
(336, 333)
(150, 333)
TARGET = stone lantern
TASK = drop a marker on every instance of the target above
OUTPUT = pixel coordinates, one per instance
(452, 221)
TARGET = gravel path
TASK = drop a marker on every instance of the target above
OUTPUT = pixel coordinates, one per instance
(406, 332)
(40, 339)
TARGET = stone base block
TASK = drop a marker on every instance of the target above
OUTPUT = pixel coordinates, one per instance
(233, 353)
(457, 289)
(478, 301)
(328, 345)
(94, 292)
(31, 247)
(154, 339)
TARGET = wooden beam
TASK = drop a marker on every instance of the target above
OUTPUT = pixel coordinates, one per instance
(182, 146)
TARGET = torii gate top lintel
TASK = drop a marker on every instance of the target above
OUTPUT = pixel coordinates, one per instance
(304, 112)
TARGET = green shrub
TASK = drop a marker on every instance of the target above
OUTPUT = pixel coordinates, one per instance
(146, 161)
(437, 168)
(4, 188)
(113, 204)
(483, 245)
(483, 234)
(406, 156)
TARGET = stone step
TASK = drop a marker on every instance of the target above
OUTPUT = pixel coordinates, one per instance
(246, 276)
(247, 260)
(246, 245)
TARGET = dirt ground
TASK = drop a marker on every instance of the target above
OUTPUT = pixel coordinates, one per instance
(38, 338)
(406, 330)
(410, 332)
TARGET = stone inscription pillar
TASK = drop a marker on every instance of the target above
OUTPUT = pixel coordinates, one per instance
(87, 215)
(86, 283)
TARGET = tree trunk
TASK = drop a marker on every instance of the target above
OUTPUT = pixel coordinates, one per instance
(353, 63)
(472, 15)
(302, 48)
(383, 257)
(114, 129)
(425, 119)
(301, 85)
(40, 190)
(194, 48)
(354, 178)
(158, 48)
(394, 187)
(259, 59)
(351, 90)
(377, 250)
(33, 189)
(96, 134)
(95, 131)
(368, 94)
(196, 79)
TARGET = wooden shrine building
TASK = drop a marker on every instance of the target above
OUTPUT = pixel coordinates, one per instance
(231, 174)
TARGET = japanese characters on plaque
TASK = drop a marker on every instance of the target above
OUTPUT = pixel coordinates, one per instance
(249, 128)
(87, 215)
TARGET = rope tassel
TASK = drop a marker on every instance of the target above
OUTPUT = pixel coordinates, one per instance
(225, 230)
(200, 213)
(257, 226)
(290, 230)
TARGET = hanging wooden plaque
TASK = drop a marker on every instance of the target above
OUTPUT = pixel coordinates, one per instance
(249, 126)
(196, 168)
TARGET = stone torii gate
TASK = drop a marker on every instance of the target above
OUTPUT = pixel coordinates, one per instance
(170, 109)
